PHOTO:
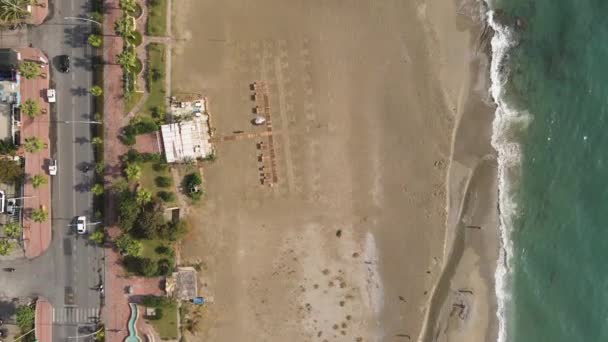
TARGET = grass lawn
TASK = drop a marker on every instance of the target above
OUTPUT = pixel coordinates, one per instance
(131, 101)
(167, 327)
(155, 103)
(157, 23)
(148, 181)
(149, 250)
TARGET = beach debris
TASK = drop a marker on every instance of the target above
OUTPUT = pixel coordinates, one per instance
(404, 335)
(355, 255)
(473, 227)
(465, 291)
(339, 232)
(325, 271)
(402, 299)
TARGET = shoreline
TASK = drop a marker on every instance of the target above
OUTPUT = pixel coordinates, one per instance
(472, 234)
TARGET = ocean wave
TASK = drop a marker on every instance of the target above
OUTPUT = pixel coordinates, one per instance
(508, 125)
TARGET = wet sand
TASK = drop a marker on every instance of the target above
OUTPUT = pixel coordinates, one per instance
(364, 97)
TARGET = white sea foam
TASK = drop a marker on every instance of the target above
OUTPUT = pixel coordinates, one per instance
(507, 126)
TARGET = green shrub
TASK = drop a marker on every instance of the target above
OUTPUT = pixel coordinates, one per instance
(165, 267)
(25, 317)
(166, 196)
(163, 181)
(128, 246)
(154, 301)
(7, 147)
(164, 250)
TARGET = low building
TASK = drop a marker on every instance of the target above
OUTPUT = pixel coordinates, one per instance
(182, 284)
(187, 140)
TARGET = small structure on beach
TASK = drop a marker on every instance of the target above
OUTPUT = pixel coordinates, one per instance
(182, 284)
(189, 137)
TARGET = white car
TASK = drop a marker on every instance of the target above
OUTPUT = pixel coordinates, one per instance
(81, 225)
(50, 95)
(2, 200)
(53, 167)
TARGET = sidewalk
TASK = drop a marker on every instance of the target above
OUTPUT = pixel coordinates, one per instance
(43, 320)
(36, 236)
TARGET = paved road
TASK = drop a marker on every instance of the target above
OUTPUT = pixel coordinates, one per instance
(76, 265)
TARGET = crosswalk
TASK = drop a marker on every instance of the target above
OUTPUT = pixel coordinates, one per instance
(75, 315)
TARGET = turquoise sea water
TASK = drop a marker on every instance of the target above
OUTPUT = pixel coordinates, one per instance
(558, 280)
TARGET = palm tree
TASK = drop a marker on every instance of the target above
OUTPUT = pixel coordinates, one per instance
(143, 196)
(133, 172)
(12, 11)
(29, 69)
(97, 141)
(95, 40)
(33, 144)
(39, 215)
(97, 189)
(30, 108)
(12, 230)
(127, 59)
(127, 5)
(96, 90)
(38, 180)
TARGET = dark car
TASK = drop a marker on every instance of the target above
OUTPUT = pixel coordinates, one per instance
(64, 63)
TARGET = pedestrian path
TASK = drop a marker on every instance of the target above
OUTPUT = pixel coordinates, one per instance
(75, 315)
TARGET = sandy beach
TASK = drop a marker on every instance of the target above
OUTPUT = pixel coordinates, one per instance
(382, 142)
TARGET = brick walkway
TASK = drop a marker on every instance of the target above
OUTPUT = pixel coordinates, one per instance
(36, 236)
(43, 320)
(115, 313)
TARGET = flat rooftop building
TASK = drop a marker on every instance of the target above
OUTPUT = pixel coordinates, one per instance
(186, 140)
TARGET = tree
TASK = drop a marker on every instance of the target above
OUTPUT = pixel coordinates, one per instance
(30, 108)
(127, 5)
(192, 182)
(98, 236)
(128, 246)
(97, 189)
(29, 69)
(96, 90)
(12, 11)
(148, 268)
(6, 247)
(166, 196)
(10, 171)
(25, 317)
(127, 59)
(33, 144)
(39, 215)
(99, 168)
(143, 196)
(38, 180)
(128, 210)
(97, 141)
(133, 172)
(95, 40)
(165, 267)
(12, 230)
(150, 224)
(7, 147)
